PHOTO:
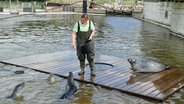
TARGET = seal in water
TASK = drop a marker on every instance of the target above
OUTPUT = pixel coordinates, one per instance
(19, 72)
(147, 65)
(15, 94)
(72, 88)
(51, 78)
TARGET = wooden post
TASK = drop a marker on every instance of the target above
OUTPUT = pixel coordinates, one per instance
(84, 6)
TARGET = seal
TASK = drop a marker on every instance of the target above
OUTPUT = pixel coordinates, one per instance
(19, 72)
(147, 65)
(15, 94)
(72, 87)
(51, 78)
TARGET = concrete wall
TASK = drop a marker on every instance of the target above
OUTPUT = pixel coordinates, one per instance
(157, 11)
(167, 13)
(138, 15)
(177, 18)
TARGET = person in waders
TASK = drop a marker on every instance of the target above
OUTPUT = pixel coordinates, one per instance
(83, 33)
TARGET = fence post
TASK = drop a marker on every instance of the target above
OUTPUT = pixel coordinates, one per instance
(84, 6)
(1, 9)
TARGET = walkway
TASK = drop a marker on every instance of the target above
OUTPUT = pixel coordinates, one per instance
(155, 86)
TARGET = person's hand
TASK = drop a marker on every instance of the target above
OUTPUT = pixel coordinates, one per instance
(90, 38)
(73, 45)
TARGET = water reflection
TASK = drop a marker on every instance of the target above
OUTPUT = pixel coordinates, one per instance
(84, 95)
(36, 89)
(117, 36)
(156, 42)
(123, 40)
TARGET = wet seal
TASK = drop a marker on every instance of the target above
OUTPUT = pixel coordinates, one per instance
(16, 92)
(51, 79)
(72, 87)
(147, 65)
(19, 72)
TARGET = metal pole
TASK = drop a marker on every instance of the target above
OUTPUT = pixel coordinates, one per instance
(17, 5)
(10, 5)
(84, 6)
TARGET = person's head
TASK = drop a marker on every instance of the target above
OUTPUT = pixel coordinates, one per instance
(84, 18)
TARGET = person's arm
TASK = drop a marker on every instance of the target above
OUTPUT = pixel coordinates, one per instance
(73, 39)
(74, 34)
(93, 31)
(92, 34)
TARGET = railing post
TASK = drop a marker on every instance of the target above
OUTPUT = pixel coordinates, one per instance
(84, 6)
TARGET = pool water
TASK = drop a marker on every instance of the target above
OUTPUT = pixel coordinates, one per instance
(118, 36)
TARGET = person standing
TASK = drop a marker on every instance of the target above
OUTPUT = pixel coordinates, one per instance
(83, 31)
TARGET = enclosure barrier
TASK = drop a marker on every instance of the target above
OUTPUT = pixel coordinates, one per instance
(1, 9)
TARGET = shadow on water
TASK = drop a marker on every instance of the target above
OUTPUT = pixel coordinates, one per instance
(117, 36)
